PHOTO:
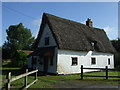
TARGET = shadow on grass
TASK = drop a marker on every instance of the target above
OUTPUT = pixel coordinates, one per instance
(14, 71)
(99, 79)
(109, 81)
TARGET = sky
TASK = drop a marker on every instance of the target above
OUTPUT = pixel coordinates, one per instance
(119, 19)
(103, 14)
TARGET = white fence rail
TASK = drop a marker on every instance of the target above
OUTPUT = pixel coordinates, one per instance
(26, 85)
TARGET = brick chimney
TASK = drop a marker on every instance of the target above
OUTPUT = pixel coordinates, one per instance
(89, 22)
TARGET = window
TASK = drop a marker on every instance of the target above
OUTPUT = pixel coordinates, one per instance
(93, 60)
(51, 60)
(93, 44)
(108, 61)
(74, 61)
(47, 41)
(34, 60)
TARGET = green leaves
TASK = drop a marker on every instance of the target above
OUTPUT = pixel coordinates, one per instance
(19, 37)
(20, 59)
(116, 44)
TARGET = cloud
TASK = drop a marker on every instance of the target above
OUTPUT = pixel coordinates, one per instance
(36, 22)
(111, 32)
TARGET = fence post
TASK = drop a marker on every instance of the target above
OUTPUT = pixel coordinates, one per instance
(26, 78)
(81, 72)
(36, 74)
(8, 82)
(106, 72)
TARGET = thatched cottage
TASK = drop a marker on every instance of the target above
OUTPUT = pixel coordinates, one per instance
(62, 46)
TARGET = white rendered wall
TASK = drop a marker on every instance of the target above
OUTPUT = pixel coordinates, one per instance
(64, 64)
(51, 68)
(47, 33)
(30, 62)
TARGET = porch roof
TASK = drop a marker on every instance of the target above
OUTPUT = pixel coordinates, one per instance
(44, 51)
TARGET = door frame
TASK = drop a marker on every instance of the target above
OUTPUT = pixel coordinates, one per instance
(45, 65)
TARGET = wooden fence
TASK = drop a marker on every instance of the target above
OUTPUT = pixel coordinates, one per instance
(26, 85)
(105, 69)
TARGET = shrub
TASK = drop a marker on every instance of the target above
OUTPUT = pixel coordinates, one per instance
(117, 59)
(20, 59)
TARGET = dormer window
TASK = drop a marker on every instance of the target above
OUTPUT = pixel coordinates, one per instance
(47, 41)
(93, 43)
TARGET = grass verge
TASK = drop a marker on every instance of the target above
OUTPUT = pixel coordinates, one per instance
(49, 80)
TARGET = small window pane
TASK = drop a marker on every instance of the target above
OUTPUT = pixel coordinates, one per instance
(47, 41)
(74, 61)
(93, 60)
(108, 61)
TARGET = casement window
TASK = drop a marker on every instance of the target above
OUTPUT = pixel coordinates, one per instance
(93, 60)
(47, 41)
(51, 60)
(74, 61)
(108, 61)
(34, 60)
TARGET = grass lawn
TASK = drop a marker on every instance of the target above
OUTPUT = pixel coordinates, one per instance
(49, 80)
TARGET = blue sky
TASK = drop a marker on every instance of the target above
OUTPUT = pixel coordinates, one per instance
(103, 14)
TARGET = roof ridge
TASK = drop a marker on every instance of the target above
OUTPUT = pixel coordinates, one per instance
(71, 21)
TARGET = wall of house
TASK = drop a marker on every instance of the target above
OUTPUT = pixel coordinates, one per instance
(40, 67)
(47, 33)
(30, 62)
(64, 64)
(51, 68)
(33, 66)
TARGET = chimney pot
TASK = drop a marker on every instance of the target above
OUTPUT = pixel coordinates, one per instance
(89, 22)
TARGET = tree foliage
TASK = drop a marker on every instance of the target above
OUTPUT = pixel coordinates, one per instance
(20, 59)
(116, 44)
(18, 37)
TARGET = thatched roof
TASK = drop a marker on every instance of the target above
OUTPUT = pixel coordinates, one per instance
(71, 35)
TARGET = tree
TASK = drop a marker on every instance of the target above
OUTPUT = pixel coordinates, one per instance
(116, 44)
(18, 37)
(20, 59)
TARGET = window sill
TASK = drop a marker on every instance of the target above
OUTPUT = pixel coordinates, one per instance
(93, 64)
(73, 65)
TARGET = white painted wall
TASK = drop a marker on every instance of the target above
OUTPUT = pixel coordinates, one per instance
(64, 64)
(30, 62)
(47, 33)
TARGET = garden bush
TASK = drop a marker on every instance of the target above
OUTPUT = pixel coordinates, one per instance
(20, 59)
